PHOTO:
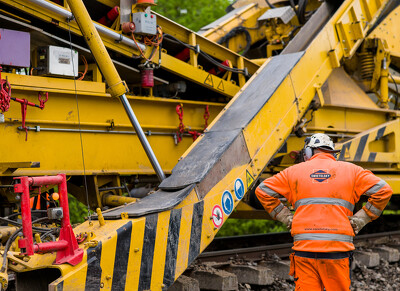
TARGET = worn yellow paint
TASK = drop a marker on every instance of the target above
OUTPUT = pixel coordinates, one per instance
(121, 153)
(184, 240)
(108, 260)
(74, 279)
(135, 255)
(160, 251)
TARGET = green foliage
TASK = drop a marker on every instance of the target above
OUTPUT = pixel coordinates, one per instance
(249, 226)
(192, 14)
(77, 210)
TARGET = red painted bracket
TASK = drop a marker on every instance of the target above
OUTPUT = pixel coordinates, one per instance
(66, 247)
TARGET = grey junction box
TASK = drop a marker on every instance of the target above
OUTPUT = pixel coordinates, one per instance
(145, 23)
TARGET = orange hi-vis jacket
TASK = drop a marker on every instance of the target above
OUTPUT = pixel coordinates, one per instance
(323, 192)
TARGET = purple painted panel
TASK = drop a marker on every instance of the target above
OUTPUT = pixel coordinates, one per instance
(15, 48)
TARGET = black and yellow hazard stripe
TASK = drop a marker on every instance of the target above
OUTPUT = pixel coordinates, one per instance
(93, 274)
(148, 253)
(358, 150)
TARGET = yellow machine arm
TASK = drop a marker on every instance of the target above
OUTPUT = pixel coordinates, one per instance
(148, 244)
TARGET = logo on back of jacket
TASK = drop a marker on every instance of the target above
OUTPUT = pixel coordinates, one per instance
(320, 176)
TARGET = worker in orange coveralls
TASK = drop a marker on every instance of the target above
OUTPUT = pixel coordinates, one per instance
(323, 192)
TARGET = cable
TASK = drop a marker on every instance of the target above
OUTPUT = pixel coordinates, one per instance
(10, 241)
(208, 57)
(7, 248)
(271, 5)
(302, 9)
(49, 233)
(80, 129)
(86, 68)
(15, 223)
(235, 31)
(155, 41)
(19, 213)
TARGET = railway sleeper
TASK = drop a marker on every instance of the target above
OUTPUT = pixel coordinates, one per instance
(258, 275)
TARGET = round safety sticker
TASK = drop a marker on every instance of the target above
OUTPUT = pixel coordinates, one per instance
(227, 202)
(239, 188)
(217, 216)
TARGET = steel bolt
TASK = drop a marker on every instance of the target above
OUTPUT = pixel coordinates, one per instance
(102, 285)
(108, 277)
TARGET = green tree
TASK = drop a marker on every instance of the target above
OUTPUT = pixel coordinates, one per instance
(77, 210)
(192, 14)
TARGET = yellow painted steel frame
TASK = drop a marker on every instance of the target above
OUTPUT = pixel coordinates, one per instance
(110, 145)
(246, 17)
(169, 63)
(379, 145)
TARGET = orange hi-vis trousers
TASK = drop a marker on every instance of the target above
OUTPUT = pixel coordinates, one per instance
(316, 271)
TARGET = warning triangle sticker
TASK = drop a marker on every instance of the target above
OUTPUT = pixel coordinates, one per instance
(347, 153)
(209, 80)
(249, 179)
(221, 86)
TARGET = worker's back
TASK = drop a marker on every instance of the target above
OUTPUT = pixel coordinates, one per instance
(323, 191)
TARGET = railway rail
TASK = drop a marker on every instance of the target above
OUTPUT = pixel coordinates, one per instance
(260, 262)
(278, 248)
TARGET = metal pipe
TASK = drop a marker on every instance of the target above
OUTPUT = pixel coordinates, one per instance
(142, 137)
(394, 79)
(117, 87)
(101, 29)
(38, 129)
(115, 200)
(384, 85)
(53, 8)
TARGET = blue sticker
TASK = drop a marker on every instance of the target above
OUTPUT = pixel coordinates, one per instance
(227, 202)
(239, 188)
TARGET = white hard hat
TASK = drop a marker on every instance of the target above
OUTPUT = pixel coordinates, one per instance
(320, 140)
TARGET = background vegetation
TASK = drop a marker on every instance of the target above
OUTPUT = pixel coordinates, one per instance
(77, 210)
(190, 13)
(249, 226)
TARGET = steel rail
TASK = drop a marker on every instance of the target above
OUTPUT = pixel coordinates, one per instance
(282, 250)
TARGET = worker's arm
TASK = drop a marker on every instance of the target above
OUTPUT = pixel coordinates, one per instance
(379, 193)
(268, 193)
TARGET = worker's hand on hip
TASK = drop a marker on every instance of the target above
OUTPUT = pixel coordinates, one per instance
(359, 220)
(286, 217)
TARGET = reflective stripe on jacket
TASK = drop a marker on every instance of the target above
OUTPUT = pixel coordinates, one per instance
(323, 192)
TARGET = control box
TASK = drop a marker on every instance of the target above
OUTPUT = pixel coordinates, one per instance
(55, 60)
(145, 23)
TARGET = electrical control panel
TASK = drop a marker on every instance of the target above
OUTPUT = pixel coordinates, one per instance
(55, 60)
(145, 23)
